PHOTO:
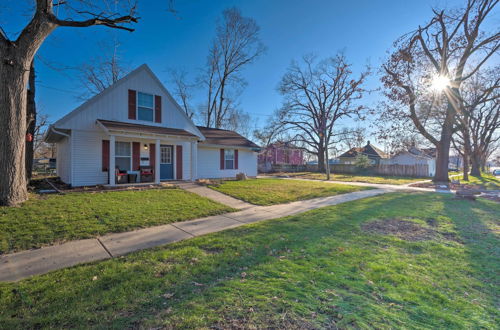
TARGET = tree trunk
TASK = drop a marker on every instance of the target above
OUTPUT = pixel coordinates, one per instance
(467, 152)
(321, 159)
(443, 148)
(327, 162)
(13, 82)
(466, 165)
(476, 164)
(31, 123)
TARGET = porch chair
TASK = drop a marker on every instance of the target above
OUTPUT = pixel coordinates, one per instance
(121, 176)
(147, 173)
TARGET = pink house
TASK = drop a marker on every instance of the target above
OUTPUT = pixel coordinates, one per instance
(280, 153)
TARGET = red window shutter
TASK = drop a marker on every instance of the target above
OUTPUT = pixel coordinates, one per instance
(136, 155)
(132, 103)
(236, 159)
(222, 159)
(157, 109)
(105, 155)
(178, 162)
(152, 155)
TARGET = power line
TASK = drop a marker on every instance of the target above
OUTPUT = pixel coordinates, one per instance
(58, 89)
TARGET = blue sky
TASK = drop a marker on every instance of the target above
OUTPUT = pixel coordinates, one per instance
(363, 29)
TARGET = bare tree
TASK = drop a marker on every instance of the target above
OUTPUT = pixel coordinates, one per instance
(16, 58)
(448, 50)
(316, 95)
(235, 46)
(102, 71)
(182, 90)
(479, 122)
(352, 137)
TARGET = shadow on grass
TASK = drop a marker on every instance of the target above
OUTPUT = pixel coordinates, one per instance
(303, 271)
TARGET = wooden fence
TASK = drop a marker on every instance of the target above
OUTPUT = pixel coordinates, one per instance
(416, 171)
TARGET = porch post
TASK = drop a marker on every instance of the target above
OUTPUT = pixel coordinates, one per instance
(111, 169)
(157, 161)
(194, 160)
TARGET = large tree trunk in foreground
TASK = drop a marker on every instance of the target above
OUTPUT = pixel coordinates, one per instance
(443, 148)
(13, 78)
(31, 124)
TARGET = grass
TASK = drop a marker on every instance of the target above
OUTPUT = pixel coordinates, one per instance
(49, 219)
(399, 180)
(278, 191)
(316, 269)
(489, 181)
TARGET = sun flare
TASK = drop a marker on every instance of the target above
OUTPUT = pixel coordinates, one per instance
(439, 82)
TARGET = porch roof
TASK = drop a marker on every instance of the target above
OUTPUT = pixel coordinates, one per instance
(143, 129)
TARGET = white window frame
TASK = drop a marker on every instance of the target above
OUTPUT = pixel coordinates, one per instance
(171, 148)
(152, 109)
(233, 159)
(121, 156)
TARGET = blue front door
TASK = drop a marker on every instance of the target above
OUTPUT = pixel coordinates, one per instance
(166, 163)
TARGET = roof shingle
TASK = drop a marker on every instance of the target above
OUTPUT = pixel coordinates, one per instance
(224, 137)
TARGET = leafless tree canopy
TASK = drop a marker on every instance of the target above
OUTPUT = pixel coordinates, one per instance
(102, 71)
(316, 95)
(182, 90)
(478, 127)
(453, 45)
(235, 46)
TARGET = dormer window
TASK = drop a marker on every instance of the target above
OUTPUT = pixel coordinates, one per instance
(145, 107)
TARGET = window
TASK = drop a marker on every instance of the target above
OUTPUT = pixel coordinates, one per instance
(145, 107)
(123, 156)
(166, 155)
(229, 159)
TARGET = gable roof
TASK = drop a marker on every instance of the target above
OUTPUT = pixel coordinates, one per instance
(139, 128)
(142, 68)
(222, 137)
(423, 153)
(368, 150)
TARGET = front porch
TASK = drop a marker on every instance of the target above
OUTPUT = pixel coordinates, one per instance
(142, 155)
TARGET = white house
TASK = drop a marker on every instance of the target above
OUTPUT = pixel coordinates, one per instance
(414, 156)
(136, 127)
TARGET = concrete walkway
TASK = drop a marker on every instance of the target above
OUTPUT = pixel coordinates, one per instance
(214, 195)
(16, 266)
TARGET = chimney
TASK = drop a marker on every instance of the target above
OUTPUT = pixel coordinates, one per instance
(368, 143)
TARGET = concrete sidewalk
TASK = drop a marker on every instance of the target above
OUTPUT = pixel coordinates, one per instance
(403, 187)
(17, 266)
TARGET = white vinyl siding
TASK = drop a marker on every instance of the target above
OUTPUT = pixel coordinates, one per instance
(112, 104)
(63, 160)
(87, 158)
(208, 163)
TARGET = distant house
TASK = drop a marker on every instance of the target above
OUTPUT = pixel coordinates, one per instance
(280, 153)
(373, 153)
(415, 156)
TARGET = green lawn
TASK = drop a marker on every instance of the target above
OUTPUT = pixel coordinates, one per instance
(355, 178)
(314, 270)
(48, 219)
(278, 191)
(489, 181)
